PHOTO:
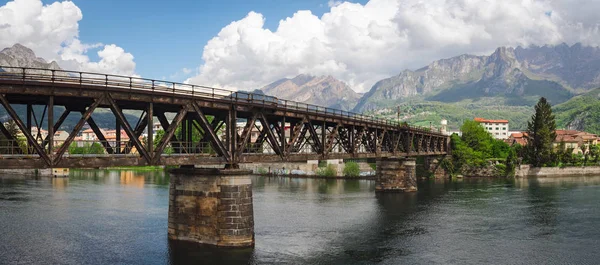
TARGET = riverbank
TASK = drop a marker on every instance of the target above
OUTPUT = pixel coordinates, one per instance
(526, 171)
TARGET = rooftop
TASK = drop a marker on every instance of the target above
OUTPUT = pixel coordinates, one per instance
(480, 120)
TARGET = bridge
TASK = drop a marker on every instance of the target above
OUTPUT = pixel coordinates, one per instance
(204, 128)
(199, 126)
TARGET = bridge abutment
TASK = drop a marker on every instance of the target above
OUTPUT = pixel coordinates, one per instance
(211, 206)
(433, 165)
(396, 175)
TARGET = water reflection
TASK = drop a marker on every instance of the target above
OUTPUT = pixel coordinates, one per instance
(183, 253)
(131, 178)
(106, 216)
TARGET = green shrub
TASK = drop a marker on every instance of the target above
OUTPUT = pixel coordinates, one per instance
(328, 171)
(500, 169)
(351, 169)
(262, 171)
(373, 166)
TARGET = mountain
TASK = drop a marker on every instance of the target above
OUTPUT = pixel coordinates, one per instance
(580, 113)
(21, 56)
(520, 75)
(319, 90)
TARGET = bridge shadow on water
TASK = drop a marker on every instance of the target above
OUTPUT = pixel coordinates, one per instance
(182, 253)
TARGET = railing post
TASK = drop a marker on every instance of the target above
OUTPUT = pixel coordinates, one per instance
(152, 85)
(106, 82)
(130, 83)
(192, 90)
(53, 76)
(213, 92)
(23, 75)
(80, 77)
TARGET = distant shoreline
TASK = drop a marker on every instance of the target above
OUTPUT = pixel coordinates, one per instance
(315, 176)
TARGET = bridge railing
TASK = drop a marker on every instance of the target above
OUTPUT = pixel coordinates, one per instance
(138, 83)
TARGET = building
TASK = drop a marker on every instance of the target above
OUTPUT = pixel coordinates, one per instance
(517, 138)
(498, 128)
(568, 139)
(575, 140)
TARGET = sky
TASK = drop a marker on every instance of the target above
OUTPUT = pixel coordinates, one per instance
(245, 45)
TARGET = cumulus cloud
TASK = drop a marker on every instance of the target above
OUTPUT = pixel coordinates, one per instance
(52, 31)
(361, 44)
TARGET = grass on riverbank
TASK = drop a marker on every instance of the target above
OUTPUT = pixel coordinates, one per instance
(133, 168)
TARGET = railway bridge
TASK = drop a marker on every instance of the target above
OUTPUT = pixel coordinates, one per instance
(198, 126)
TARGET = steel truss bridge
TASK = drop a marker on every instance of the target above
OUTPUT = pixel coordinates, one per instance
(201, 124)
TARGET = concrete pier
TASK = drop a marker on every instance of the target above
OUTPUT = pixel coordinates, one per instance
(211, 206)
(396, 175)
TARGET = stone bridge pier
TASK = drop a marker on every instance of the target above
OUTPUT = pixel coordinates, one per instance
(396, 175)
(433, 165)
(211, 206)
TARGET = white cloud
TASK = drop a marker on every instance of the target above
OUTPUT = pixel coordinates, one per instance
(361, 44)
(52, 32)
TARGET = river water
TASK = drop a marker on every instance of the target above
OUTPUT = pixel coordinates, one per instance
(120, 217)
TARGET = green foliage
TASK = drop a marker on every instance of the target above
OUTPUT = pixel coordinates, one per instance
(351, 169)
(95, 148)
(583, 110)
(475, 147)
(447, 165)
(328, 171)
(421, 113)
(540, 136)
(595, 153)
(373, 166)
(322, 163)
(500, 169)
(511, 162)
(262, 171)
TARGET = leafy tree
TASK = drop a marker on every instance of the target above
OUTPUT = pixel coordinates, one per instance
(477, 138)
(540, 135)
(594, 152)
(511, 161)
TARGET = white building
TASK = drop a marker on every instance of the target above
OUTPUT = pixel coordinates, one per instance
(498, 128)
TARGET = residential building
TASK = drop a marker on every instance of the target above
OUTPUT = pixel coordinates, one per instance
(497, 128)
(517, 138)
(568, 139)
(575, 140)
(88, 135)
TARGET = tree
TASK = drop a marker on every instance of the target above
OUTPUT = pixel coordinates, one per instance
(595, 152)
(541, 132)
(511, 161)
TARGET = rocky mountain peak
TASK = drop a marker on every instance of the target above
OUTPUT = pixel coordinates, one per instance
(319, 90)
(21, 56)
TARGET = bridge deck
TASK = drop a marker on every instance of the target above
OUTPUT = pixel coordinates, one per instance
(200, 124)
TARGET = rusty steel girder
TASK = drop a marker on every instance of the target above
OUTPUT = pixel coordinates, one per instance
(201, 126)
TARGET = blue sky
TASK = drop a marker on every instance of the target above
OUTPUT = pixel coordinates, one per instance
(166, 36)
(359, 42)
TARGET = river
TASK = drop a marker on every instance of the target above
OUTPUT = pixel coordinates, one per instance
(120, 217)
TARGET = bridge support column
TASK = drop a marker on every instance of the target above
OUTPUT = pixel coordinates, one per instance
(211, 206)
(432, 164)
(396, 175)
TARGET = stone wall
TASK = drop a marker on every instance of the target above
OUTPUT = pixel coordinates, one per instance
(396, 175)
(528, 171)
(28, 172)
(210, 208)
